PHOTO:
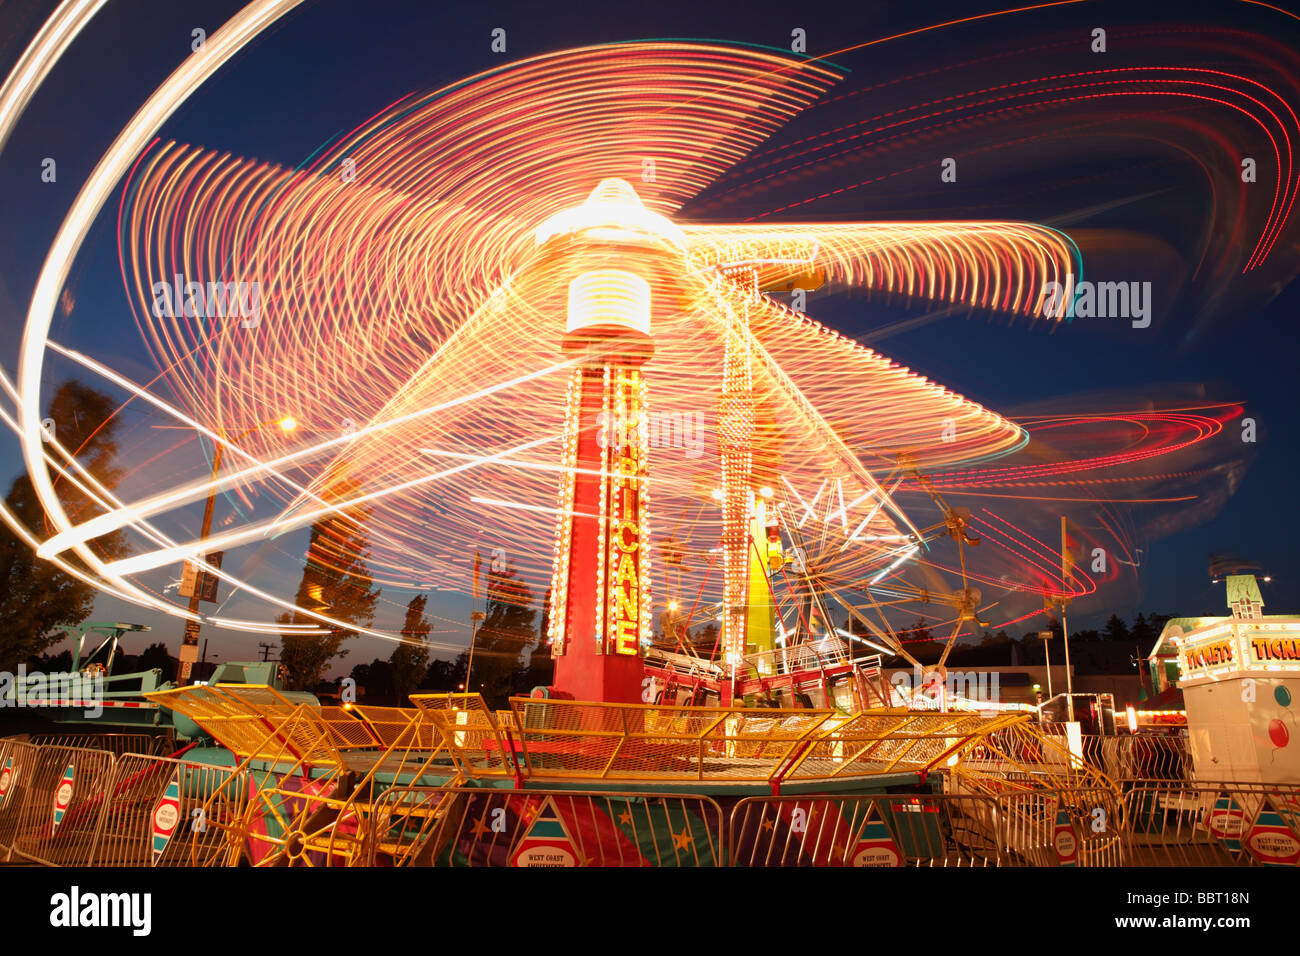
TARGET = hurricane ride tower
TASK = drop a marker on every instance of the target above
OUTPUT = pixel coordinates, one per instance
(618, 253)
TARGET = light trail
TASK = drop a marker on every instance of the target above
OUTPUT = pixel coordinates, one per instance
(411, 285)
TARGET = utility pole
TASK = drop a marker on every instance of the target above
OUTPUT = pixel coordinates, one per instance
(476, 617)
(1069, 676)
(190, 642)
(266, 649)
(1067, 564)
(1047, 656)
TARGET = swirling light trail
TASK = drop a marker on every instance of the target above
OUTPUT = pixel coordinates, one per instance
(415, 261)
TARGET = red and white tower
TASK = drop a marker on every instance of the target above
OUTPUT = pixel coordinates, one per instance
(600, 591)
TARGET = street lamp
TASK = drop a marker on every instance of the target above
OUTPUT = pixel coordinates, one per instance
(1047, 657)
(190, 642)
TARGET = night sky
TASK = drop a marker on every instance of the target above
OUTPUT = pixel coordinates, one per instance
(331, 64)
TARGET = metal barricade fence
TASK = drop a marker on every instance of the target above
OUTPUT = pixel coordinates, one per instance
(1153, 756)
(17, 760)
(62, 804)
(116, 744)
(1143, 755)
(471, 826)
(1080, 826)
(1064, 827)
(1208, 823)
(158, 813)
(866, 830)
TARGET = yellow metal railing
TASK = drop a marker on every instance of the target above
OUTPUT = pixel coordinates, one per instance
(549, 738)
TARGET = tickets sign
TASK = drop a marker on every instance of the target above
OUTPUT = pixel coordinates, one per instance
(1274, 650)
(1210, 654)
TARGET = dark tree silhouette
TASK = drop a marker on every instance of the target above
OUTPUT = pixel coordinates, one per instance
(410, 662)
(1143, 632)
(445, 675)
(36, 597)
(540, 670)
(155, 656)
(506, 630)
(374, 680)
(336, 582)
(1116, 629)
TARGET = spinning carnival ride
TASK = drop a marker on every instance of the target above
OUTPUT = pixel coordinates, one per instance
(481, 306)
(431, 257)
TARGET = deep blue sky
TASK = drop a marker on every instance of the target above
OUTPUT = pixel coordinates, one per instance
(334, 62)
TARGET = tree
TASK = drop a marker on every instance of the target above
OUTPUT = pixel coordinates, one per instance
(1158, 622)
(336, 582)
(506, 630)
(1143, 632)
(1116, 629)
(60, 663)
(410, 661)
(36, 597)
(920, 642)
(917, 633)
(374, 679)
(445, 675)
(155, 656)
(540, 671)
(704, 639)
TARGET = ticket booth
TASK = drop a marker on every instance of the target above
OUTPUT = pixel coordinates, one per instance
(1240, 678)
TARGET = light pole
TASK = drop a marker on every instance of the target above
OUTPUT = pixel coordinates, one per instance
(477, 617)
(1067, 563)
(1069, 678)
(1047, 656)
(190, 642)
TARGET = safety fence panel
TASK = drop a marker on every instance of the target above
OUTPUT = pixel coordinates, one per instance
(1039, 827)
(1079, 826)
(1204, 823)
(1148, 756)
(467, 826)
(116, 744)
(1152, 756)
(62, 805)
(470, 732)
(878, 830)
(17, 762)
(168, 812)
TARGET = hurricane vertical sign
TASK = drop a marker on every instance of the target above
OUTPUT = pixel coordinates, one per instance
(625, 567)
